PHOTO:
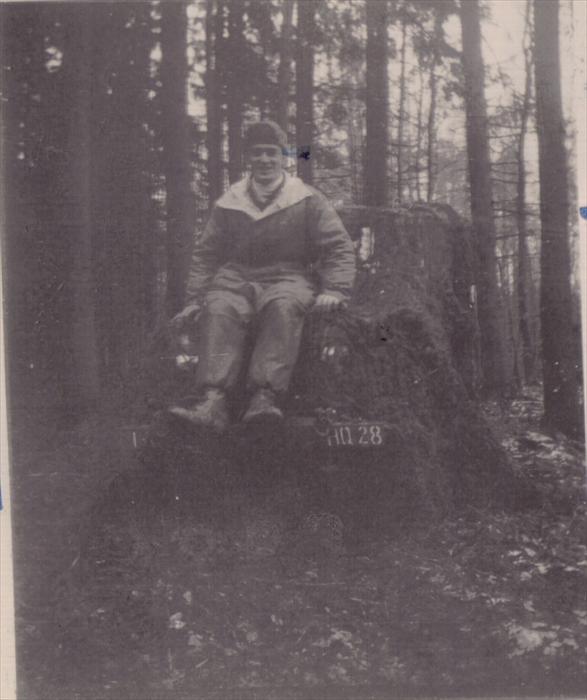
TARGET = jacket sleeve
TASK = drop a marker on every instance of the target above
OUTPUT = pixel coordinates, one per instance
(207, 256)
(334, 247)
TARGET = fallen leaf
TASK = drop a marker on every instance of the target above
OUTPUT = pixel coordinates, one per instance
(195, 640)
(176, 622)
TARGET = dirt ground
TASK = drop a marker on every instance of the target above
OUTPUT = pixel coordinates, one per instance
(219, 597)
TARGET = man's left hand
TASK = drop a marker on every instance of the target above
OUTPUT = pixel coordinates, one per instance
(327, 302)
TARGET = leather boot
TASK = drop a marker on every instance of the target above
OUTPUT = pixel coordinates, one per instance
(211, 412)
(263, 407)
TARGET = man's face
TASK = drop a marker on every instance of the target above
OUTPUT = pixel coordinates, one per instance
(266, 162)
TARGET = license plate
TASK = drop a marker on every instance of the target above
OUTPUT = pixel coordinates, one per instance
(355, 435)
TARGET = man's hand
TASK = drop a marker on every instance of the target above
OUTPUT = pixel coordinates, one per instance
(185, 316)
(327, 302)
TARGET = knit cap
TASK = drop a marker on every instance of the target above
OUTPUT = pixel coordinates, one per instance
(266, 132)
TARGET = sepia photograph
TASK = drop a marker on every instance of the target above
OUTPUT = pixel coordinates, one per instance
(293, 336)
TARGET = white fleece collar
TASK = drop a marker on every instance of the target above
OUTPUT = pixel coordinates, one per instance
(237, 197)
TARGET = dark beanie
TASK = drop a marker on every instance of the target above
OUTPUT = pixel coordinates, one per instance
(265, 131)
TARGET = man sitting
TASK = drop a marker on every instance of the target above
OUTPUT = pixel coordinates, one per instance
(252, 267)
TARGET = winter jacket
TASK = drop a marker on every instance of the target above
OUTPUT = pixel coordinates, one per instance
(299, 233)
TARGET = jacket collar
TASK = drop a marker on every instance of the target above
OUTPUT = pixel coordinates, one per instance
(237, 197)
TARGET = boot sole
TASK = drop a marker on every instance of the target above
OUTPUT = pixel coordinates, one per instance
(261, 419)
(186, 417)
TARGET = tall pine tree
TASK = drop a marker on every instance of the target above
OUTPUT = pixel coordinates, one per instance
(376, 180)
(305, 90)
(495, 375)
(175, 133)
(562, 408)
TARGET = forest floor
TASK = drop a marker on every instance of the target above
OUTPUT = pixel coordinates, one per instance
(485, 604)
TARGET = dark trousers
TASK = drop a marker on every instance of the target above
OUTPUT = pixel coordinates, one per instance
(273, 309)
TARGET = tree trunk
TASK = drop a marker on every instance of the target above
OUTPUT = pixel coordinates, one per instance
(234, 91)
(393, 363)
(122, 187)
(376, 182)
(214, 29)
(562, 408)
(306, 150)
(523, 271)
(355, 133)
(401, 114)
(30, 242)
(431, 166)
(85, 378)
(176, 150)
(419, 132)
(284, 75)
(495, 376)
(86, 227)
